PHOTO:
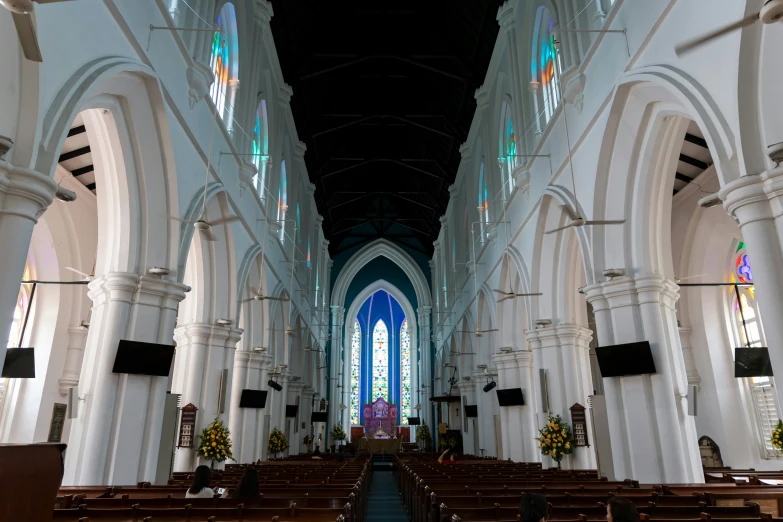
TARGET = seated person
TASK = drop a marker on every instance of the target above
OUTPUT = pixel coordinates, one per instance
(533, 508)
(248, 488)
(200, 486)
(317, 454)
(448, 457)
(620, 509)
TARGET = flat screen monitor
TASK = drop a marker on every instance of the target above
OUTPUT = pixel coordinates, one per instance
(139, 358)
(414, 421)
(511, 397)
(622, 360)
(253, 399)
(19, 363)
(752, 362)
(319, 416)
(291, 410)
(471, 411)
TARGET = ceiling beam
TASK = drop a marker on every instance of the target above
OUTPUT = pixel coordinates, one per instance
(694, 162)
(74, 154)
(83, 170)
(77, 130)
(683, 177)
(701, 142)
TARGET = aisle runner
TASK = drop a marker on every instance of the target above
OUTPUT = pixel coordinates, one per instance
(384, 503)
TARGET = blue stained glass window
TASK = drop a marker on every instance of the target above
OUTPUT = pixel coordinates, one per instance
(260, 147)
(298, 224)
(308, 255)
(219, 65)
(380, 361)
(405, 371)
(356, 358)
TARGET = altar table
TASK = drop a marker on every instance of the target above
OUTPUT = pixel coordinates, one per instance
(383, 445)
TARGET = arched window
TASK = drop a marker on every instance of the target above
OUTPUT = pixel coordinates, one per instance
(483, 202)
(380, 361)
(762, 396)
(282, 200)
(308, 252)
(20, 310)
(298, 224)
(508, 148)
(317, 273)
(261, 148)
(545, 65)
(356, 360)
(405, 372)
(224, 62)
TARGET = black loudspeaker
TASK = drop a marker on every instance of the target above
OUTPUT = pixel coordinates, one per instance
(272, 384)
(489, 386)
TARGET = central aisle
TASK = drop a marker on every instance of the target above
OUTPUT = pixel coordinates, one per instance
(384, 503)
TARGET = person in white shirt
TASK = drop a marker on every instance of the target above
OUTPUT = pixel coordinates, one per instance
(200, 487)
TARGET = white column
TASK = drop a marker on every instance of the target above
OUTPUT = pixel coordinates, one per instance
(116, 438)
(336, 365)
(279, 399)
(425, 365)
(467, 390)
(653, 439)
(486, 415)
(203, 352)
(305, 410)
(755, 203)
(563, 350)
(24, 195)
(77, 337)
(246, 424)
(294, 434)
(515, 370)
(691, 372)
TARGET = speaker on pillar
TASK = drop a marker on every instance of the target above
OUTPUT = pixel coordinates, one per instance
(693, 395)
(73, 403)
(272, 384)
(544, 389)
(222, 390)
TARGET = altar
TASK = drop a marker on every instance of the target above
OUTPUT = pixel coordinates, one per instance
(379, 417)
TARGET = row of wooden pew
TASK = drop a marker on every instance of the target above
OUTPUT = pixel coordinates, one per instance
(290, 490)
(491, 491)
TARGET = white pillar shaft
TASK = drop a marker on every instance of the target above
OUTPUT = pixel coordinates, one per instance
(24, 196)
(116, 438)
(77, 337)
(518, 423)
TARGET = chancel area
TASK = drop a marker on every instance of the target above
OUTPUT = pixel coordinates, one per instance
(478, 260)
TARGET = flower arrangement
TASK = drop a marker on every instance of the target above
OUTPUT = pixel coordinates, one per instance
(777, 436)
(555, 439)
(278, 442)
(215, 443)
(423, 437)
(339, 433)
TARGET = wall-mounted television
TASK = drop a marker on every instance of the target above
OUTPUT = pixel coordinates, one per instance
(471, 410)
(291, 410)
(19, 363)
(319, 416)
(511, 397)
(139, 358)
(253, 399)
(622, 360)
(752, 362)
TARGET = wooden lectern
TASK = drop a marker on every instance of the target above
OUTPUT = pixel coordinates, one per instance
(30, 476)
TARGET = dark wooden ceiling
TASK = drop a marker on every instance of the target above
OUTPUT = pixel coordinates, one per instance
(383, 98)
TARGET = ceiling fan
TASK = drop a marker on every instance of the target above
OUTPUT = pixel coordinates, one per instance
(576, 219)
(22, 13)
(86, 277)
(478, 333)
(259, 296)
(460, 354)
(771, 12)
(512, 295)
(680, 279)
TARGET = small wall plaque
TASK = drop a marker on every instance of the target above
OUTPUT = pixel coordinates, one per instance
(58, 421)
(579, 425)
(187, 426)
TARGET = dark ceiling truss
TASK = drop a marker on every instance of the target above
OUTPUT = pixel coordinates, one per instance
(695, 166)
(76, 160)
(383, 100)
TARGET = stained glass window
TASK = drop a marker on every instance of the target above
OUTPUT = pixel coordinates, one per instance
(763, 399)
(405, 372)
(260, 148)
(508, 149)
(219, 64)
(22, 302)
(356, 358)
(380, 361)
(483, 201)
(545, 64)
(282, 200)
(308, 247)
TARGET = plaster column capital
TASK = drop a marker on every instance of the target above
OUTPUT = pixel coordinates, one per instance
(516, 359)
(319, 219)
(263, 12)
(467, 386)
(453, 189)
(23, 192)
(444, 221)
(300, 148)
(114, 286)
(482, 98)
(505, 16)
(155, 291)
(553, 336)
(310, 188)
(746, 200)
(464, 151)
(285, 92)
(190, 333)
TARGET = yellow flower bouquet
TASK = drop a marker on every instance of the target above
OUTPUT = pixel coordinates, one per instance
(777, 436)
(215, 444)
(555, 439)
(278, 442)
